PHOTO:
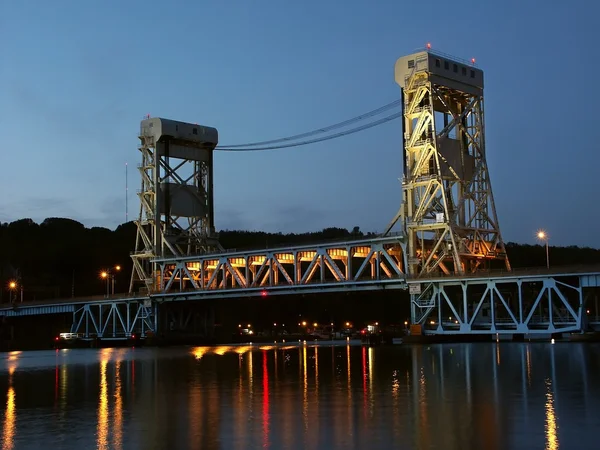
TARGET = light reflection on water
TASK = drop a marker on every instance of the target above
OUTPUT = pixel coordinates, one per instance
(469, 396)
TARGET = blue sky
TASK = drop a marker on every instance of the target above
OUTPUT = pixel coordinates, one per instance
(77, 77)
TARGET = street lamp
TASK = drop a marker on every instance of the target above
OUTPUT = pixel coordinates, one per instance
(543, 236)
(109, 276)
(12, 287)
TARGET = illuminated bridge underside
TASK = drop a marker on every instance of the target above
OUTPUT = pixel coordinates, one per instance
(536, 304)
(367, 264)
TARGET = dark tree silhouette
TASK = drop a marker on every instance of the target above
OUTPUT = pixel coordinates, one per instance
(61, 256)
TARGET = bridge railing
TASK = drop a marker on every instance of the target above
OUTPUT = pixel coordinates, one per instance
(521, 271)
(83, 299)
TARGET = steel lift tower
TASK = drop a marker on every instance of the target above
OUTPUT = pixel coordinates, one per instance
(447, 212)
(176, 200)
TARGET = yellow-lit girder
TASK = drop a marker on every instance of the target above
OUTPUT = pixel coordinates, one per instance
(340, 262)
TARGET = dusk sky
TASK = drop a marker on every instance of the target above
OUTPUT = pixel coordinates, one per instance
(77, 77)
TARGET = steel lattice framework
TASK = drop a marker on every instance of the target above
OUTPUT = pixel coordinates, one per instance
(176, 200)
(526, 304)
(345, 264)
(448, 211)
(115, 319)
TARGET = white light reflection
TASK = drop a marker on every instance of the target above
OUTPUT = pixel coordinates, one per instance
(551, 425)
(305, 389)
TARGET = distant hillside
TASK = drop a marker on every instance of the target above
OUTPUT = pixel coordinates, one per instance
(57, 255)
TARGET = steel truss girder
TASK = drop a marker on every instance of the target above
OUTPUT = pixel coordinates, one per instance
(448, 212)
(115, 319)
(502, 305)
(342, 263)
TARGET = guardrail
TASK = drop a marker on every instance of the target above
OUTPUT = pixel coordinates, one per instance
(525, 271)
(91, 298)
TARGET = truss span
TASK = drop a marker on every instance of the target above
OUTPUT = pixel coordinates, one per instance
(529, 305)
(114, 319)
(368, 263)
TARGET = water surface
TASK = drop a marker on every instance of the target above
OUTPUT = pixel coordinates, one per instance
(467, 396)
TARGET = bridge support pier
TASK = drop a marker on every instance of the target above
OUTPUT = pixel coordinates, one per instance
(187, 320)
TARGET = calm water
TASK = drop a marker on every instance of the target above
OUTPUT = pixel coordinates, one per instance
(469, 396)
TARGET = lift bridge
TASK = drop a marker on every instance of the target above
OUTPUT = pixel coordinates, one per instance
(448, 256)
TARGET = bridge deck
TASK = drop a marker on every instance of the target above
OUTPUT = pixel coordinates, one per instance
(590, 271)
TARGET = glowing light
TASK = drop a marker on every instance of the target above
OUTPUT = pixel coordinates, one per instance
(263, 293)
(428, 46)
(243, 349)
(315, 324)
(541, 234)
(117, 268)
(303, 324)
(199, 352)
(222, 349)
(104, 274)
(102, 425)
(472, 60)
(551, 422)
(118, 410)
(9, 419)
(12, 285)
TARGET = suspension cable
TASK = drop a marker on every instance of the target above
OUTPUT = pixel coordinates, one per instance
(312, 141)
(347, 122)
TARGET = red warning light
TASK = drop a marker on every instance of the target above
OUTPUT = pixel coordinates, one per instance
(263, 293)
(473, 60)
(428, 46)
(56, 338)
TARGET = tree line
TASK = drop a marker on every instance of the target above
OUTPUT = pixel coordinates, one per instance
(60, 258)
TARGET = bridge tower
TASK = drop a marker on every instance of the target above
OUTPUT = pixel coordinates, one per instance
(176, 200)
(447, 213)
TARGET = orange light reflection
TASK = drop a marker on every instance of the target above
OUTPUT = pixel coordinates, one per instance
(10, 414)
(102, 427)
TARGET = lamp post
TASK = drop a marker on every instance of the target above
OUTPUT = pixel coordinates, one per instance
(12, 287)
(109, 276)
(543, 236)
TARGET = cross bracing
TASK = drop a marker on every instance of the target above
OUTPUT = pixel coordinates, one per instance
(114, 319)
(517, 304)
(342, 263)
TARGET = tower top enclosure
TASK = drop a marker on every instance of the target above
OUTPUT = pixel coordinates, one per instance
(185, 134)
(443, 70)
